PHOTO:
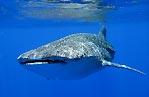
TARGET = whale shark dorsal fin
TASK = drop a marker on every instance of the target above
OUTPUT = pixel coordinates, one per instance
(102, 33)
(108, 63)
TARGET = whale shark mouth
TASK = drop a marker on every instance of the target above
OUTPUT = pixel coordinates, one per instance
(40, 61)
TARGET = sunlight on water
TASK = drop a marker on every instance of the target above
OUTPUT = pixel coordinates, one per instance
(81, 10)
(47, 12)
(76, 10)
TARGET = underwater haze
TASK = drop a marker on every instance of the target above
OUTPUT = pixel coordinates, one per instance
(28, 24)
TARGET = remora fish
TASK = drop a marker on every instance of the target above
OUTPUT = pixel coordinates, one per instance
(72, 57)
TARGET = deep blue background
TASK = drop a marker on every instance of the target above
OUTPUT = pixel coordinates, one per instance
(127, 30)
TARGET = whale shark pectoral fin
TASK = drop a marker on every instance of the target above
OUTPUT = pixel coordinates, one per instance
(107, 63)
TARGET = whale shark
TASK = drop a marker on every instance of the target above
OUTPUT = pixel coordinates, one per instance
(73, 57)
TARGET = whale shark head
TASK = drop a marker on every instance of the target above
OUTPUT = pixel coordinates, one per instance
(74, 46)
(74, 56)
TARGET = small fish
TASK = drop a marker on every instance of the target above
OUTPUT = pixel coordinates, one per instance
(72, 57)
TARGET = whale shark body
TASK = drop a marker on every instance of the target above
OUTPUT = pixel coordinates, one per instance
(72, 57)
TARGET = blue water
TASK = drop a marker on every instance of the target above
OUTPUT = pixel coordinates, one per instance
(127, 30)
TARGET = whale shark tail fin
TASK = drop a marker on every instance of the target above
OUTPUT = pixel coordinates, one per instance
(107, 63)
(102, 32)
